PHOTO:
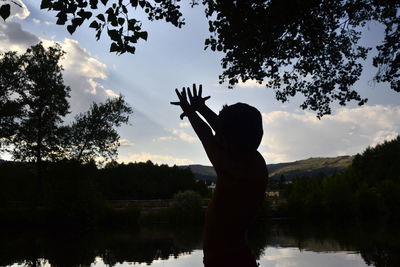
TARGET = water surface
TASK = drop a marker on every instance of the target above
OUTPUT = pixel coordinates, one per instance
(280, 245)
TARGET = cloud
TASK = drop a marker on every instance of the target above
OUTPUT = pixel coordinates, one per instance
(84, 74)
(38, 21)
(20, 11)
(184, 136)
(250, 84)
(156, 158)
(177, 134)
(110, 93)
(184, 124)
(14, 38)
(164, 138)
(125, 143)
(292, 136)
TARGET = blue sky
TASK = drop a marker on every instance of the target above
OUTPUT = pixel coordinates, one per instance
(172, 58)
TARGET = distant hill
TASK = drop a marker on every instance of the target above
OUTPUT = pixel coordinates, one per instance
(306, 167)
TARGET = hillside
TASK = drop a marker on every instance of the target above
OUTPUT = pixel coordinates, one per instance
(306, 167)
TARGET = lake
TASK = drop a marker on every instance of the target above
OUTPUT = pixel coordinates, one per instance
(275, 244)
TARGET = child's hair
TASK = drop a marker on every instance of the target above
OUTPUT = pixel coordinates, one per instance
(241, 125)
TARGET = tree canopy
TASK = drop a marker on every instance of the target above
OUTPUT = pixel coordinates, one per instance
(308, 47)
(35, 81)
(93, 133)
(34, 102)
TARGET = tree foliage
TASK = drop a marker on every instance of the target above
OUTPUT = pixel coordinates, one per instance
(10, 99)
(93, 133)
(306, 47)
(146, 180)
(369, 188)
(34, 101)
(36, 78)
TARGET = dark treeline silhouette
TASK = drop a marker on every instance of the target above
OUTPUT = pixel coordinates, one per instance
(368, 189)
(78, 193)
(146, 181)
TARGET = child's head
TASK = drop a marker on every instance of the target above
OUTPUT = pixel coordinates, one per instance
(241, 126)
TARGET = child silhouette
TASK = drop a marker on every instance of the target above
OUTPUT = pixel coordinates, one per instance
(241, 175)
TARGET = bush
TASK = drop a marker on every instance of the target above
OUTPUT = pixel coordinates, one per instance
(186, 207)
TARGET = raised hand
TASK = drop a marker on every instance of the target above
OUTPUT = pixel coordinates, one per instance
(196, 100)
(183, 102)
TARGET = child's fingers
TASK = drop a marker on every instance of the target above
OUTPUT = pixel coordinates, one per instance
(190, 95)
(182, 115)
(178, 93)
(183, 93)
(175, 103)
(206, 98)
(194, 90)
(200, 90)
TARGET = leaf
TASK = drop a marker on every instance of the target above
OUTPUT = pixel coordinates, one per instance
(84, 14)
(93, 4)
(114, 35)
(101, 17)
(131, 49)
(45, 4)
(121, 21)
(71, 29)
(131, 24)
(62, 18)
(104, 2)
(94, 24)
(134, 3)
(77, 22)
(114, 47)
(5, 11)
(143, 35)
(124, 9)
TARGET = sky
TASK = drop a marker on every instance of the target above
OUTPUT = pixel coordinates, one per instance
(172, 58)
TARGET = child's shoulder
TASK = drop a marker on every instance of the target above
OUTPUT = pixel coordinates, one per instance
(243, 165)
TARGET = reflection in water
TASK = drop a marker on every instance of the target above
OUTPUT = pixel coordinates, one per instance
(283, 245)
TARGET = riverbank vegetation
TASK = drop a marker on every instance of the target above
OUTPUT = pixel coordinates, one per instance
(367, 190)
(76, 194)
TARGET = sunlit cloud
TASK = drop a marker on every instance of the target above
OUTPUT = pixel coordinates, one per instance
(19, 10)
(84, 74)
(110, 93)
(184, 124)
(292, 136)
(82, 71)
(164, 138)
(184, 136)
(155, 158)
(125, 143)
(177, 134)
(250, 84)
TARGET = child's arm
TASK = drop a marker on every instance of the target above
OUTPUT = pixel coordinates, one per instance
(198, 103)
(201, 128)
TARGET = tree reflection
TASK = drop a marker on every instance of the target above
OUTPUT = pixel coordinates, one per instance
(378, 243)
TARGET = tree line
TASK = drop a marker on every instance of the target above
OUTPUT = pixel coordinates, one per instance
(368, 189)
(79, 193)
